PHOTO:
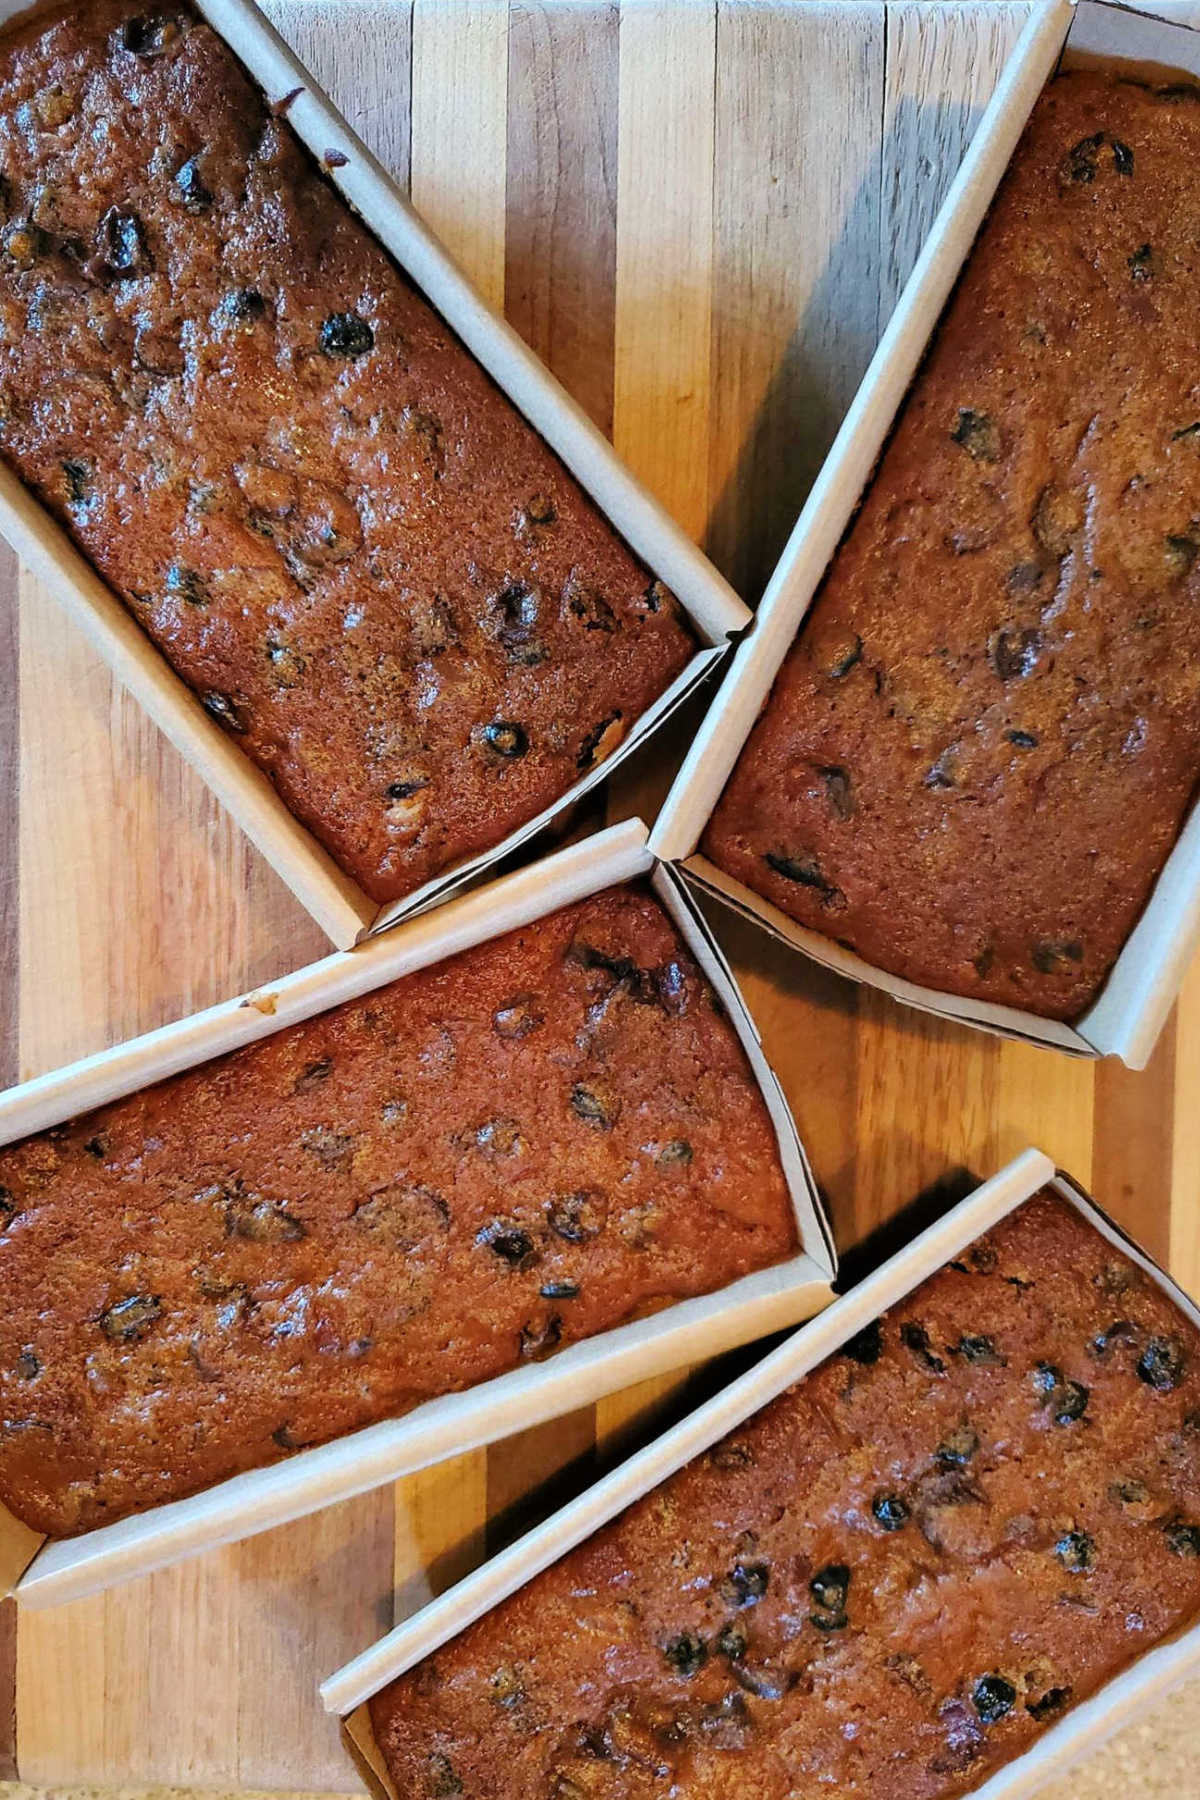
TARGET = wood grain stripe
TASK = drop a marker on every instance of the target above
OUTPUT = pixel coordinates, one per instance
(561, 241)
(1132, 1133)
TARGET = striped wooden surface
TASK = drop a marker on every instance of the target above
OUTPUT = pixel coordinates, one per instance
(700, 215)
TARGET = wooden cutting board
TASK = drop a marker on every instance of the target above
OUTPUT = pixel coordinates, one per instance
(700, 215)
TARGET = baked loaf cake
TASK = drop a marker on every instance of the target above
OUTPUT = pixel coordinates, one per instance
(333, 525)
(981, 748)
(887, 1583)
(532, 1142)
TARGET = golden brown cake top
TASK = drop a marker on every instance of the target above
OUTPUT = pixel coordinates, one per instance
(887, 1583)
(334, 526)
(979, 753)
(455, 1175)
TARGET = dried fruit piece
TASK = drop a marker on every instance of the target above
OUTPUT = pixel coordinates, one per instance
(829, 1589)
(575, 1217)
(1076, 1551)
(28, 1366)
(149, 37)
(1122, 157)
(259, 1221)
(980, 1350)
(1142, 263)
(1048, 957)
(517, 1018)
(1051, 1702)
(346, 334)
(403, 1215)
(1023, 740)
(1057, 518)
(559, 1290)
(245, 305)
(959, 1448)
(334, 1150)
(190, 185)
(1082, 160)
(806, 871)
(121, 241)
(441, 1782)
(187, 585)
(127, 1321)
(24, 243)
(588, 605)
(890, 1511)
(540, 1339)
(221, 708)
(845, 660)
(1180, 552)
(746, 1584)
(601, 741)
(978, 434)
(506, 738)
(993, 1697)
(79, 477)
(1163, 1363)
(594, 1106)
(1014, 654)
(687, 1653)
(914, 1337)
(1183, 1539)
(509, 1242)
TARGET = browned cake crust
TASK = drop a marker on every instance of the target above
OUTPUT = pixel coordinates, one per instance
(979, 752)
(312, 498)
(886, 1584)
(470, 1168)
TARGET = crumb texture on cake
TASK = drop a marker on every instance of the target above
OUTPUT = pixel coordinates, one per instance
(337, 530)
(454, 1176)
(982, 746)
(889, 1582)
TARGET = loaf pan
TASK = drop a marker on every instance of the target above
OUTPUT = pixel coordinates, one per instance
(1076, 1734)
(765, 1301)
(337, 903)
(1129, 1013)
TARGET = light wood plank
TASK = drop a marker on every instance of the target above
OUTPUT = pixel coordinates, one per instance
(459, 131)
(663, 376)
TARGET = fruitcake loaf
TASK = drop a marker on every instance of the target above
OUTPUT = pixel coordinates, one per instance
(887, 1583)
(336, 529)
(981, 748)
(457, 1174)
